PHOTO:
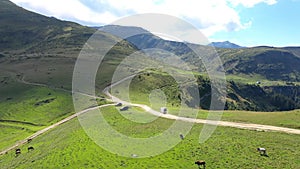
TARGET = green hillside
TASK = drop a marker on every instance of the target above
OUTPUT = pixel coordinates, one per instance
(26, 109)
(26, 32)
(68, 146)
(240, 96)
(44, 49)
(270, 63)
(41, 50)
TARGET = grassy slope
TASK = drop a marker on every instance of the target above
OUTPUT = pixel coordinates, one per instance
(240, 96)
(68, 147)
(44, 49)
(143, 89)
(24, 111)
(273, 64)
(48, 59)
(26, 32)
(20, 107)
(283, 119)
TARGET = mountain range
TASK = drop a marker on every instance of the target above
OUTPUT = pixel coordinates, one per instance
(44, 49)
(268, 62)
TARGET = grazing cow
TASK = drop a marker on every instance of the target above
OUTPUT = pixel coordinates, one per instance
(200, 163)
(29, 140)
(119, 104)
(30, 148)
(124, 108)
(181, 136)
(134, 155)
(262, 151)
(18, 151)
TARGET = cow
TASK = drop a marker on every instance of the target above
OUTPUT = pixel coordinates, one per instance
(29, 140)
(30, 148)
(124, 108)
(119, 104)
(262, 151)
(18, 152)
(181, 136)
(200, 163)
(134, 155)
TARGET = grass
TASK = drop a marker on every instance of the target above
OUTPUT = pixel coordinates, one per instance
(154, 89)
(138, 115)
(252, 79)
(289, 119)
(12, 133)
(49, 71)
(40, 106)
(283, 119)
(147, 90)
(68, 146)
(26, 109)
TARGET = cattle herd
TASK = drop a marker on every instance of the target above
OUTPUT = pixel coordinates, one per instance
(200, 163)
(18, 150)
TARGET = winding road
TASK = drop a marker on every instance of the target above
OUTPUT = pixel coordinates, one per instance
(248, 126)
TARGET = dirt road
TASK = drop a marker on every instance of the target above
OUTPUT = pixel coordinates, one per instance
(249, 126)
(51, 127)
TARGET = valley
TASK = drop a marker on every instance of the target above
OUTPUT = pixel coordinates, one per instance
(38, 55)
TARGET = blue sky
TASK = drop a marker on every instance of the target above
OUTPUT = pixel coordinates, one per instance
(245, 22)
(273, 25)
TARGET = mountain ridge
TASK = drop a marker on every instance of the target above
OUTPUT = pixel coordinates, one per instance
(25, 31)
(66, 39)
(225, 44)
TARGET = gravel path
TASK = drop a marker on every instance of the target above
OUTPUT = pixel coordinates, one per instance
(248, 126)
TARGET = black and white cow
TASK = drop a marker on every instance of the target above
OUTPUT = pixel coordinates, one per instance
(262, 151)
(200, 163)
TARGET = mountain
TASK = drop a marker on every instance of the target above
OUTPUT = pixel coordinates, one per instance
(294, 50)
(267, 62)
(225, 44)
(25, 31)
(40, 44)
(44, 49)
(143, 39)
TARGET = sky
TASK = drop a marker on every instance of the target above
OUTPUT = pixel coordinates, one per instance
(244, 22)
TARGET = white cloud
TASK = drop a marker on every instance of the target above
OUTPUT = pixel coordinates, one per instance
(251, 3)
(209, 16)
(66, 10)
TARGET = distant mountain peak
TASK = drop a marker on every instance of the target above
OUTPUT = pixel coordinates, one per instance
(224, 44)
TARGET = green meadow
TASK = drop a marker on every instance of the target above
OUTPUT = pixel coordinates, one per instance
(26, 109)
(68, 146)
